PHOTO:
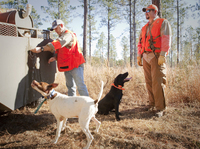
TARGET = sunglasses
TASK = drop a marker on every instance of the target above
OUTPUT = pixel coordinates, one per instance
(149, 10)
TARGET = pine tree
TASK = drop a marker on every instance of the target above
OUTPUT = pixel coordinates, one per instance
(125, 49)
(85, 29)
(101, 47)
(109, 17)
(113, 53)
(92, 31)
(59, 9)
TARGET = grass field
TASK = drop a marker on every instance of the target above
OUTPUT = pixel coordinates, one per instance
(138, 128)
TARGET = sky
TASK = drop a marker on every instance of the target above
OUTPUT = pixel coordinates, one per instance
(76, 24)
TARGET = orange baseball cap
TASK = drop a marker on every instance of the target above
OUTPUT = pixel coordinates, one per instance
(152, 6)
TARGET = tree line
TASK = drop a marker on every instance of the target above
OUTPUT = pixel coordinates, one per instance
(185, 40)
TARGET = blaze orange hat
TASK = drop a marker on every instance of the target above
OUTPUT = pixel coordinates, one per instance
(152, 6)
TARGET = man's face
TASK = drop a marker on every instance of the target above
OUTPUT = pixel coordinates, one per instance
(150, 14)
(58, 29)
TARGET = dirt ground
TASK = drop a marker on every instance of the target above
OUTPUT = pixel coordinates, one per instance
(138, 128)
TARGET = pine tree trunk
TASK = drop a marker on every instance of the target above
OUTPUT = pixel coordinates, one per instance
(85, 29)
(108, 36)
(177, 32)
(158, 4)
(131, 40)
(134, 27)
(90, 32)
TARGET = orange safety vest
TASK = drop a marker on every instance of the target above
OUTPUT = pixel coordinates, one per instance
(68, 59)
(155, 32)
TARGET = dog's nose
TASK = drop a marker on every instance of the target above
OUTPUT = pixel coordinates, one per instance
(34, 82)
(126, 73)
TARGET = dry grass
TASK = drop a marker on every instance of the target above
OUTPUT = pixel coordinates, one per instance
(138, 128)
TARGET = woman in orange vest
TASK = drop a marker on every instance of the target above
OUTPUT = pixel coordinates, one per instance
(154, 43)
(69, 58)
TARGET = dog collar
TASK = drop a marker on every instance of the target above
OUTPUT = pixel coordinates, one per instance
(118, 87)
(50, 96)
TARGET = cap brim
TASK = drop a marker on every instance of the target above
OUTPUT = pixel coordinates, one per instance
(144, 9)
(53, 28)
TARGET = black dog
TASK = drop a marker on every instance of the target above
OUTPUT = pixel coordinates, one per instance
(113, 98)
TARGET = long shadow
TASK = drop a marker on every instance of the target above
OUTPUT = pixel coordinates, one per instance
(19, 123)
(137, 113)
(134, 113)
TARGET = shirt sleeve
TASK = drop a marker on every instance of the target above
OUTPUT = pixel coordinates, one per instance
(165, 37)
(139, 46)
(65, 40)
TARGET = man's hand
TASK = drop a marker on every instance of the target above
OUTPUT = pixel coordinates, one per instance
(36, 50)
(51, 59)
(139, 61)
(161, 60)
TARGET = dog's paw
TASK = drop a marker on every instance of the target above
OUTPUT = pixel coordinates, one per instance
(63, 128)
(54, 141)
(118, 119)
(96, 131)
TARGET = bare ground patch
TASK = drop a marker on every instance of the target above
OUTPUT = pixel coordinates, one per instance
(138, 128)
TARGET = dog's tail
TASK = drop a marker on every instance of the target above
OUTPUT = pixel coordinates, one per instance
(100, 94)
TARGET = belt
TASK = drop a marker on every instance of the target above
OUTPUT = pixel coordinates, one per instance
(148, 52)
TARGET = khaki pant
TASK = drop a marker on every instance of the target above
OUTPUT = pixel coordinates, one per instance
(155, 78)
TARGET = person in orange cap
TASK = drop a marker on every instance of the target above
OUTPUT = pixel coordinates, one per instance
(153, 46)
(69, 58)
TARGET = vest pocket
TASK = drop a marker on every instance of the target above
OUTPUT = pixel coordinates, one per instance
(64, 67)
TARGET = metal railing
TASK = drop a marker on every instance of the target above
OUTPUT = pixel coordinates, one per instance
(7, 29)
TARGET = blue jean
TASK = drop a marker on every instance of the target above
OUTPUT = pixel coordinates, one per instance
(75, 78)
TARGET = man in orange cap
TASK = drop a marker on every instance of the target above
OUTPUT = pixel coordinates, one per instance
(154, 44)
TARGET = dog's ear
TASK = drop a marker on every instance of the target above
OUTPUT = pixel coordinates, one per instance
(53, 85)
(117, 80)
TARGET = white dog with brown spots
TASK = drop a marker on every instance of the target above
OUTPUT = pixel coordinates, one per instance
(64, 107)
